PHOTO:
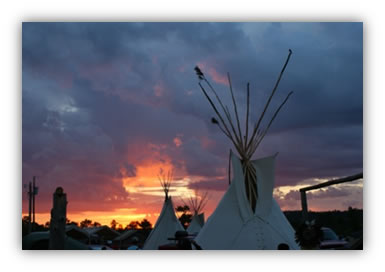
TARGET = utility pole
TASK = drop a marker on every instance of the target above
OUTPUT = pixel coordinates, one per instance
(34, 192)
(29, 207)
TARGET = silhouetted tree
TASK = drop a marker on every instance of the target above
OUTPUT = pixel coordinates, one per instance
(73, 223)
(86, 223)
(133, 225)
(120, 227)
(25, 221)
(183, 209)
(96, 224)
(69, 222)
(344, 223)
(113, 224)
(186, 216)
(145, 224)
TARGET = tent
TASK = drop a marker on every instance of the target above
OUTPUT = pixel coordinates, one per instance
(167, 223)
(234, 225)
(77, 233)
(247, 216)
(197, 204)
(128, 238)
(196, 223)
(101, 234)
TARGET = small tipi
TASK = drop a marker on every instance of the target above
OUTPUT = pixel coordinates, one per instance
(167, 223)
(197, 205)
(247, 217)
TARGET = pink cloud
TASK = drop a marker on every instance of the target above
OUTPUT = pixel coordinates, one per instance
(159, 89)
(177, 141)
(217, 77)
(213, 73)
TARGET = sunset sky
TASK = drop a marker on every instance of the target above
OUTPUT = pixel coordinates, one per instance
(107, 106)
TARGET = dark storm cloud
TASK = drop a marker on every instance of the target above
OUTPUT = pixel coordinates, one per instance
(92, 92)
(315, 153)
(197, 165)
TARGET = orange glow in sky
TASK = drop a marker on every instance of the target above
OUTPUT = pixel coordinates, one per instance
(107, 108)
(126, 215)
(146, 196)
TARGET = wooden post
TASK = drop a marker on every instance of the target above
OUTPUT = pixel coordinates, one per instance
(58, 220)
(321, 185)
(304, 205)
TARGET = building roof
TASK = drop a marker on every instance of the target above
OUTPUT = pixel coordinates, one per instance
(95, 230)
(126, 234)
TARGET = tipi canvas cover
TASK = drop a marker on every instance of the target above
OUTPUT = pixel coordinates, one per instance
(197, 204)
(196, 224)
(165, 227)
(233, 224)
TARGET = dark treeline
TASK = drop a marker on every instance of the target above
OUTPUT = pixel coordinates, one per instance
(344, 223)
(144, 225)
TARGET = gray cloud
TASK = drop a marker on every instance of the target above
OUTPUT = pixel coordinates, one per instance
(92, 92)
(210, 185)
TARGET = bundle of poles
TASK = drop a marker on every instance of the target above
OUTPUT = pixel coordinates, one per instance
(244, 144)
(197, 202)
(165, 180)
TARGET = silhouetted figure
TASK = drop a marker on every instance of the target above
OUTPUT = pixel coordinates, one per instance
(283, 246)
(182, 242)
(308, 235)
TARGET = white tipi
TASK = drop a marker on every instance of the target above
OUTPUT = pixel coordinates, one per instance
(197, 204)
(167, 223)
(234, 225)
(247, 216)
